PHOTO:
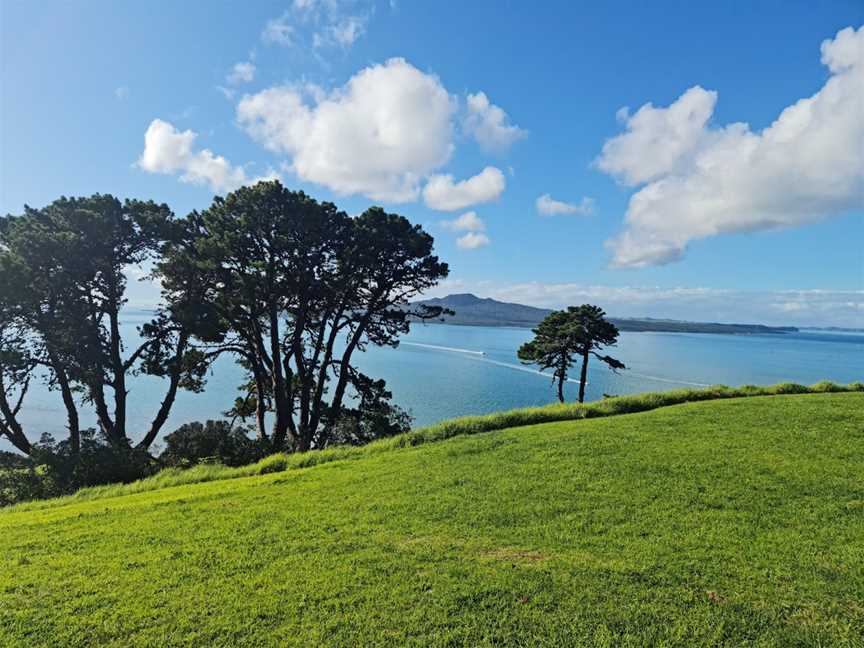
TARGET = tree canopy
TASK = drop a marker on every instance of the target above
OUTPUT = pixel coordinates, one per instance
(288, 286)
(63, 278)
(292, 287)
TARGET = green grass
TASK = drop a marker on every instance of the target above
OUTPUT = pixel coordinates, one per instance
(730, 522)
(445, 430)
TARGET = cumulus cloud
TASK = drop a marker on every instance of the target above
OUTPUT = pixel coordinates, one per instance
(489, 124)
(445, 194)
(467, 222)
(387, 128)
(241, 73)
(548, 206)
(698, 180)
(672, 136)
(169, 151)
(472, 241)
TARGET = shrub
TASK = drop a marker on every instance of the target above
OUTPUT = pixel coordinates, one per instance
(52, 469)
(790, 388)
(213, 442)
(826, 386)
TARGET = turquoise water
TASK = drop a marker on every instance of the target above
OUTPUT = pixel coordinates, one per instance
(438, 372)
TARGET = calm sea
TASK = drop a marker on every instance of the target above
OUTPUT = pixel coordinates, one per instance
(441, 371)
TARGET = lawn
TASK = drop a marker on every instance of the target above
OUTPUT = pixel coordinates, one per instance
(722, 522)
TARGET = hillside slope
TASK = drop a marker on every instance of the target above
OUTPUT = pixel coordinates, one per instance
(713, 523)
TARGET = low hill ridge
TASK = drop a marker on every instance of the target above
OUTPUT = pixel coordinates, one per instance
(471, 310)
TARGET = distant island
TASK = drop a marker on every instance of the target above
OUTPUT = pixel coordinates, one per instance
(476, 311)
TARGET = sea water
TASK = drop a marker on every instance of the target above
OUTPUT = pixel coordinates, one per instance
(441, 371)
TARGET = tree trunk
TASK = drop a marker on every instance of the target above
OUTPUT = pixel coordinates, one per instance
(119, 370)
(561, 378)
(9, 425)
(344, 364)
(170, 396)
(68, 401)
(97, 393)
(318, 399)
(280, 424)
(583, 378)
(71, 410)
(259, 405)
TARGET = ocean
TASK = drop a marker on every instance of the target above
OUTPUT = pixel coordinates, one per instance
(441, 371)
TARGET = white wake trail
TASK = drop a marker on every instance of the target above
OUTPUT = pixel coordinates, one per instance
(444, 348)
(507, 365)
(480, 355)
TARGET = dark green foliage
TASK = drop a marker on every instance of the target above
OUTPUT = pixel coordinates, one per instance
(56, 468)
(375, 417)
(213, 441)
(62, 288)
(563, 336)
(292, 287)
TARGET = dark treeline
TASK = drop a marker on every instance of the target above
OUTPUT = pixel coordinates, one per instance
(288, 286)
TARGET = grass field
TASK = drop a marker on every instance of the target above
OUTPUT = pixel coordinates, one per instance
(729, 522)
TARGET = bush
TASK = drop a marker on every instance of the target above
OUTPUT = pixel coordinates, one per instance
(826, 386)
(211, 442)
(52, 469)
(790, 388)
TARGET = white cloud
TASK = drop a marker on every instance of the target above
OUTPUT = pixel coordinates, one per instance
(704, 180)
(342, 32)
(169, 151)
(277, 31)
(387, 128)
(489, 124)
(444, 194)
(467, 222)
(658, 141)
(241, 73)
(472, 241)
(121, 92)
(319, 23)
(548, 206)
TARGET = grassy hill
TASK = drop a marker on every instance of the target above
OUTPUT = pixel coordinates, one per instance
(725, 522)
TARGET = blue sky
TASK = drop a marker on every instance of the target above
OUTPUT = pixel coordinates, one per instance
(709, 203)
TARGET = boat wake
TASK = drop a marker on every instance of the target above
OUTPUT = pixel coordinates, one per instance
(508, 365)
(481, 356)
(444, 348)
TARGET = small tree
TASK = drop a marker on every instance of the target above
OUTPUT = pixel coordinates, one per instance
(565, 335)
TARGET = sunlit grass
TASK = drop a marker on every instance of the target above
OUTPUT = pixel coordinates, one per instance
(723, 523)
(445, 430)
